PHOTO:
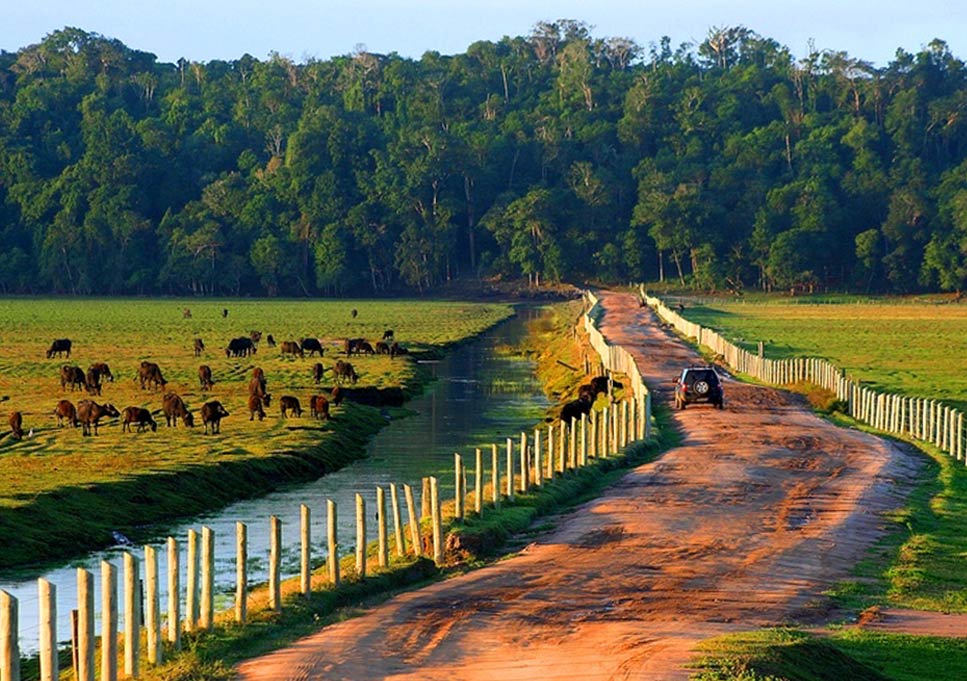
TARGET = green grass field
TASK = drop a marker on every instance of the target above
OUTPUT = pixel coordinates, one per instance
(914, 349)
(57, 463)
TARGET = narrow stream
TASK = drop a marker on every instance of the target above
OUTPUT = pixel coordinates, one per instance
(480, 396)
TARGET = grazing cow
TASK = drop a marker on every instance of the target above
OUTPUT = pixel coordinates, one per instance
(388, 335)
(149, 374)
(354, 312)
(575, 410)
(73, 376)
(342, 370)
(93, 382)
(65, 410)
(138, 415)
(270, 341)
(288, 403)
(225, 313)
(213, 413)
(255, 336)
(240, 347)
(199, 347)
(599, 384)
(319, 407)
(365, 348)
(292, 348)
(335, 395)
(351, 345)
(312, 345)
(317, 371)
(17, 425)
(174, 408)
(256, 385)
(103, 371)
(255, 407)
(205, 377)
(60, 345)
(90, 412)
(397, 349)
(186, 313)
(382, 348)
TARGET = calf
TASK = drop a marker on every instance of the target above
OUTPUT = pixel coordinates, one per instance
(288, 403)
(174, 408)
(317, 372)
(292, 348)
(397, 349)
(65, 410)
(270, 341)
(90, 412)
(312, 345)
(388, 335)
(343, 370)
(335, 395)
(256, 336)
(199, 347)
(213, 413)
(255, 408)
(93, 382)
(73, 376)
(103, 371)
(137, 415)
(16, 425)
(319, 407)
(382, 348)
(205, 377)
(58, 347)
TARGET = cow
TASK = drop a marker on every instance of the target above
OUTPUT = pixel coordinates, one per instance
(213, 413)
(256, 386)
(382, 348)
(574, 410)
(364, 348)
(149, 374)
(351, 345)
(90, 412)
(225, 313)
(255, 336)
(292, 348)
(354, 312)
(17, 425)
(342, 370)
(199, 347)
(397, 349)
(73, 376)
(255, 407)
(174, 408)
(335, 395)
(388, 335)
(205, 377)
(186, 313)
(137, 415)
(317, 371)
(103, 371)
(599, 384)
(65, 410)
(270, 341)
(240, 347)
(312, 345)
(288, 403)
(319, 407)
(60, 345)
(93, 382)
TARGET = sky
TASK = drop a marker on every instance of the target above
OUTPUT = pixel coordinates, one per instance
(203, 30)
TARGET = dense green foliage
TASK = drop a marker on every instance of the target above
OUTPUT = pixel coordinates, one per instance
(553, 156)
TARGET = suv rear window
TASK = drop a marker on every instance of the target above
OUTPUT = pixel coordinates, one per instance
(706, 375)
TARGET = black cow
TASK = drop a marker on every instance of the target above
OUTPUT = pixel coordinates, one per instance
(270, 341)
(397, 349)
(289, 403)
(213, 413)
(103, 371)
(382, 348)
(205, 377)
(388, 335)
(312, 345)
(351, 345)
(317, 371)
(60, 345)
(574, 410)
(240, 347)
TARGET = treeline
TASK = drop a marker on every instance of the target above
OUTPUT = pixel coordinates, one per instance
(555, 156)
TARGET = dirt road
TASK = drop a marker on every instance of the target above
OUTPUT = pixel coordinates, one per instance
(760, 509)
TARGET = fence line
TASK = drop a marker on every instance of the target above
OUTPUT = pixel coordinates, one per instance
(921, 419)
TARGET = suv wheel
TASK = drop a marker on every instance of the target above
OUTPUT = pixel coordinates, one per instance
(701, 387)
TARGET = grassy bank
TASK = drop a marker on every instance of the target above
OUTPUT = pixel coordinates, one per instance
(61, 493)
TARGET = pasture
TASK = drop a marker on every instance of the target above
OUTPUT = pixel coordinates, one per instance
(913, 348)
(53, 461)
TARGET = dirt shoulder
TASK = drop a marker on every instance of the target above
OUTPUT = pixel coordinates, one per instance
(762, 508)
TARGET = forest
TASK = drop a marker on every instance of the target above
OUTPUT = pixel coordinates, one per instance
(728, 165)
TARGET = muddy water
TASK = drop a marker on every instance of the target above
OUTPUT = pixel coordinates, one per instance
(481, 396)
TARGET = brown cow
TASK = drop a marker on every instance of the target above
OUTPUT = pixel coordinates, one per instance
(90, 412)
(73, 376)
(351, 345)
(382, 348)
(205, 377)
(292, 348)
(317, 371)
(256, 386)
(65, 410)
(255, 407)
(288, 403)
(342, 370)
(93, 382)
(137, 415)
(397, 349)
(213, 413)
(150, 374)
(256, 336)
(17, 424)
(364, 348)
(103, 371)
(319, 407)
(199, 347)
(335, 395)
(186, 313)
(174, 408)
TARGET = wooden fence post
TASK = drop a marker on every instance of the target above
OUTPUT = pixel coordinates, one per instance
(605, 427)
(478, 482)
(241, 572)
(397, 521)
(382, 554)
(563, 447)
(495, 476)
(152, 605)
(275, 564)
(207, 578)
(414, 524)
(332, 545)
(49, 667)
(583, 442)
(572, 450)
(425, 499)
(191, 598)
(174, 594)
(550, 453)
(132, 617)
(9, 638)
(510, 470)
(305, 567)
(457, 496)
(524, 468)
(538, 464)
(360, 536)
(109, 622)
(437, 521)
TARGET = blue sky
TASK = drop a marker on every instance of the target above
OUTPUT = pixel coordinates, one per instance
(202, 30)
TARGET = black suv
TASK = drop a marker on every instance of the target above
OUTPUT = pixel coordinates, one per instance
(699, 384)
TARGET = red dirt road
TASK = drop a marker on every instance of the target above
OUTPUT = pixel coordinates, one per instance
(760, 509)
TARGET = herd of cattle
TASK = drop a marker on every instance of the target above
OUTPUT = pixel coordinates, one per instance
(87, 413)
